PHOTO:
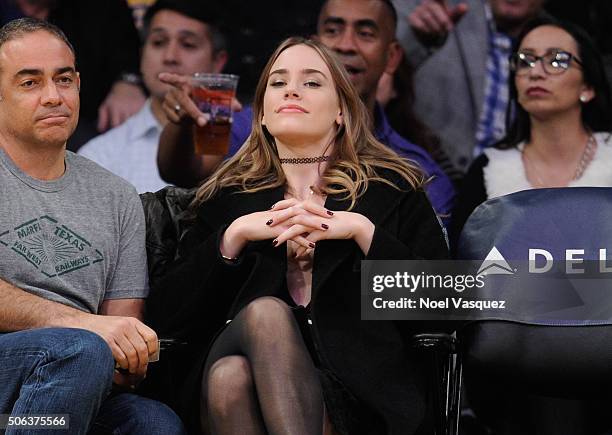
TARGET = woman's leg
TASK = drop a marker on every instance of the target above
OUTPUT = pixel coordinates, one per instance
(286, 382)
(232, 403)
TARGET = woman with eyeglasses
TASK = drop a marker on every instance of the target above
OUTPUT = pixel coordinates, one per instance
(558, 122)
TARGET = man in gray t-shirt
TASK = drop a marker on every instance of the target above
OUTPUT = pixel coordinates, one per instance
(77, 240)
(72, 259)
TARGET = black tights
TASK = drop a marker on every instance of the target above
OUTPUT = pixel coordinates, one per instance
(259, 377)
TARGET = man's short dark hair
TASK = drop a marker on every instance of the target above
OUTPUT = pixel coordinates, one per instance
(22, 26)
(393, 12)
(390, 8)
(206, 12)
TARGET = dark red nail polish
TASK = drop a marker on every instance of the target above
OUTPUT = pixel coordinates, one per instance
(312, 245)
(329, 212)
(269, 222)
(274, 242)
(325, 226)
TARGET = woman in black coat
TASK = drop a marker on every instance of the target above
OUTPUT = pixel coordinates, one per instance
(273, 260)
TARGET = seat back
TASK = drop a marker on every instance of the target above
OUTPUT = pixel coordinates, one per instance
(530, 355)
(554, 219)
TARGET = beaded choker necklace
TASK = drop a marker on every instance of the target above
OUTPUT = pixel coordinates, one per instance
(305, 160)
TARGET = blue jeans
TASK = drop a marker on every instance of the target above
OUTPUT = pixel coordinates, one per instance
(70, 371)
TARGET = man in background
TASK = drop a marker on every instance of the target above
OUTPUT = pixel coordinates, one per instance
(460, 49)
(180, 37)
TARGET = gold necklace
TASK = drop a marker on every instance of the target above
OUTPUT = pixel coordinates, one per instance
(313, 191)
(587, 156)
(585, 159)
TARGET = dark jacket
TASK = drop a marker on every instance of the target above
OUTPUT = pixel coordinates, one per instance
(194, 296)
(472, 193)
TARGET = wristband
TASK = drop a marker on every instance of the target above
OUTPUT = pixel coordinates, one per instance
(229, 259)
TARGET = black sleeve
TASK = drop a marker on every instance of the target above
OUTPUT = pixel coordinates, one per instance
(192, 298)
(471, 195)
(420, 234)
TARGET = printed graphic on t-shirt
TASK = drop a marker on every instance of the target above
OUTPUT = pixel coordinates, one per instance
(49, 246)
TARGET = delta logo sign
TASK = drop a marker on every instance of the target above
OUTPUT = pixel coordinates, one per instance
(542, 261)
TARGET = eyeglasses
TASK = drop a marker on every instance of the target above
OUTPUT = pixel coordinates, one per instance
(554, 62)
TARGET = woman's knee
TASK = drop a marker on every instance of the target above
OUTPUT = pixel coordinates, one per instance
(266, 315)
(228, 383)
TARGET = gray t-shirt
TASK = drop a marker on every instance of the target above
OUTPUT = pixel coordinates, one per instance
(77, 240)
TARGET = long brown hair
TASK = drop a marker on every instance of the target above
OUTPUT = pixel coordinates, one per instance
(357, 157)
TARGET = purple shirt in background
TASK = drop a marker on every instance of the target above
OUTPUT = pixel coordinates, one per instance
(439, 190)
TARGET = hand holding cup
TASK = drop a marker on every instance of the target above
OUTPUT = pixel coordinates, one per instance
(178, 105)
(213, 95)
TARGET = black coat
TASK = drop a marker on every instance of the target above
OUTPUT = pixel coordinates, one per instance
(200, 291)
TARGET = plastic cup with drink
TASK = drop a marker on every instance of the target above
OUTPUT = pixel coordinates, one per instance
(213, 94)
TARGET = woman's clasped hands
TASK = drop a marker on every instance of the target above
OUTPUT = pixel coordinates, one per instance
(303, 222)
